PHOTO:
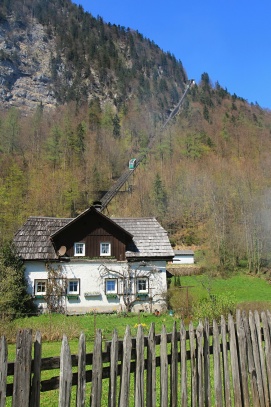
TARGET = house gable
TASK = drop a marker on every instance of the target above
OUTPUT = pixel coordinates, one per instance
(92, 230)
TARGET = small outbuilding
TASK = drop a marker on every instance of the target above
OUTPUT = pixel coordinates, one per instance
(183, 257)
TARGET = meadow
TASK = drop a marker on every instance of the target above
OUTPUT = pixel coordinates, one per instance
(250, 292)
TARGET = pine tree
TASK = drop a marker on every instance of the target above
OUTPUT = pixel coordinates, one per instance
(15, 301)
(160, 199)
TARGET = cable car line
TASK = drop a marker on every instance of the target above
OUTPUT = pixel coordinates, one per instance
(134, 163)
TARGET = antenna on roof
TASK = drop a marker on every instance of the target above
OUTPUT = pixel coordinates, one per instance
(62, 251)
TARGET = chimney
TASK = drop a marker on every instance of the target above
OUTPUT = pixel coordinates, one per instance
(97, 205)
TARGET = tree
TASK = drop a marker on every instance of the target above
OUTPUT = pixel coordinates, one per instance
(129, 288)
(116, 126)
(55, 289)
(15, 301)
(159, 196)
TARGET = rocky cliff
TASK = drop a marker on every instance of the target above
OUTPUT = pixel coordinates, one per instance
(25, 74)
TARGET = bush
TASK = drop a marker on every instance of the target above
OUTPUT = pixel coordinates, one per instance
(180, 301)
(14, 299)
(214, 306)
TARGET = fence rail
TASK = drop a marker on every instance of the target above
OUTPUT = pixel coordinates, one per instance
(220, 365)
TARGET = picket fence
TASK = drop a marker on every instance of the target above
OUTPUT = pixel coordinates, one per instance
(220, 365)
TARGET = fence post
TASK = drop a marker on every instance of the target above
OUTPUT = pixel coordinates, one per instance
(267, 348)
(114, 352)
(3, 370)
(242, 347)
(199, 333)
(217, 368)
(256, 358)
(251, 363)
(125, 371)
(97, 370)
(139, 378)
(65, 376)
(206, 357)
(262, 359)
(81, 387)
(163, 369)
(234, 364)
(174, 368)
(183, 365)
(227, 389)
(193, 365)
(151, 371)
(22, 369)
(35, 390)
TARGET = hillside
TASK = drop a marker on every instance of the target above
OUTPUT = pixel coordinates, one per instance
(52, 52)
(79, 98)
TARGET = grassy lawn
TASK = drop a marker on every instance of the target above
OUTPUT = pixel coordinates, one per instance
(53, 327)
(246, 289)
(250, 292)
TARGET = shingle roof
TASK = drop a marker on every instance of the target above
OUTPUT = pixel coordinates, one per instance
(149, 237)
(183, 252)
(33, 238)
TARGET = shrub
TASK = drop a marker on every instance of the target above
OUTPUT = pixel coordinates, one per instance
(180, 301)
(14, 299)
(214, 306)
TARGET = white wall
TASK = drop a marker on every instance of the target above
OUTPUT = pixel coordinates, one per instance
(183, 259)
(91, 281)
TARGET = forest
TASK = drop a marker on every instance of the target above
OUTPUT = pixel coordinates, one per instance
(206, 177)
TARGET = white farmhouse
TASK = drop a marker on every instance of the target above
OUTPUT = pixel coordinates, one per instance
(105, 264)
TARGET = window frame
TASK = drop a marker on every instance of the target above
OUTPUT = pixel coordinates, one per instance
(76, 245)
(109, 251)
(38, 281)
(71, 280)
(116, 291)
(146, 280)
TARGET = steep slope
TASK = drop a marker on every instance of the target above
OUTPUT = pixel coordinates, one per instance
(52, 52)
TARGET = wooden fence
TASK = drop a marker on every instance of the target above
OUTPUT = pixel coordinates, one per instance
(220, 365)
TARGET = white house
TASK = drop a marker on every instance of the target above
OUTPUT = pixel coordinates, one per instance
(183, 257)
(99, 263)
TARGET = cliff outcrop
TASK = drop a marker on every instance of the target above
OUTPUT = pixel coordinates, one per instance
(25, 74)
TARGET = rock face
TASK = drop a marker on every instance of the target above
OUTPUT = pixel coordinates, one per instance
(25, 74)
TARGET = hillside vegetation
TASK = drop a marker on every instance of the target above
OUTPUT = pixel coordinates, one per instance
(207, 175)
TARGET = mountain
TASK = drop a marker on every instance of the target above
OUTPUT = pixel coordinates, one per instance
(52, 52)
(80, 98)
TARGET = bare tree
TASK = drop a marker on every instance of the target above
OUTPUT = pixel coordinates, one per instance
(143, 283)
(56, 288)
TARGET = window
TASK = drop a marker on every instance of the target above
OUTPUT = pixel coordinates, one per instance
(79, 249)
(73, 287)
(111, 286)
(142, 285)
(40, 287)
(105, 249)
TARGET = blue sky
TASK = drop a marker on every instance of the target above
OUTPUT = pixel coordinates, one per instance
(228, 39)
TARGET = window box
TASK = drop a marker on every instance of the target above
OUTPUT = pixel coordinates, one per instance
(39, 297)
(142, 296)
(92, 294)
(112, 296)
(72, 296)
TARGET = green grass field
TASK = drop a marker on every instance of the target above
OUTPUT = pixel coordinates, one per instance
(250, 292)
(246, 289)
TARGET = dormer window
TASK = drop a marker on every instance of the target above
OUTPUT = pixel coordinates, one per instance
(105, 249)
(79, 249)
